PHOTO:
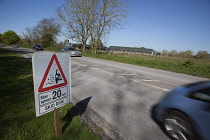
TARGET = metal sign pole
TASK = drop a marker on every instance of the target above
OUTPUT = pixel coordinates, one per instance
(57, 122)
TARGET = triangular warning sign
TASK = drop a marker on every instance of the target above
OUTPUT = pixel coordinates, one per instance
(53, 77)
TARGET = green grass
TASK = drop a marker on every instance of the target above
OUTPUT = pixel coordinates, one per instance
(54, 49)
(193, 67)
(25, 46)
(17, 111)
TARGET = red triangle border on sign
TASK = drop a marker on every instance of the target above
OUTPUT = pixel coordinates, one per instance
(41, 89)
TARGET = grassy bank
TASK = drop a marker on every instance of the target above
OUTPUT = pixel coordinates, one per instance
(25, 46)
(17, 110)
(193, 67)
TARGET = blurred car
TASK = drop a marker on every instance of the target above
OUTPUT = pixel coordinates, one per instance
(1, 45)
(37, 47)
(15, 46)
(184, 113)
(72, 51)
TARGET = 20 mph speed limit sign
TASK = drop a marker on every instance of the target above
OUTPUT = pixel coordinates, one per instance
(51, 72)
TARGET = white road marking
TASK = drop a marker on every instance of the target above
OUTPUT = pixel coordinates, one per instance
(80, 64)
(151, 85)
(127, 74)
(151, 80)
(164, 89)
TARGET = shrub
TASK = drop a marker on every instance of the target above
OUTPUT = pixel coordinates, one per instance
(188, 63)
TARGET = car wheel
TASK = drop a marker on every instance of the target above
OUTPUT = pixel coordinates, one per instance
(178, 127)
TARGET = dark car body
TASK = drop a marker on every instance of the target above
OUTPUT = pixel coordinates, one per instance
(1, 44)
(37, 47)
(184, 113)
(72, 51)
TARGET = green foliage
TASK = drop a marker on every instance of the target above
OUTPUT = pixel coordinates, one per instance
(186, 54)
(10, 37)
(25, 46)
(158, 53)
(1, 39)
(188, 63)
(17, 110)
(45, 32)
(54, 49)
(201, 55)
(182, 54)
(47, 40)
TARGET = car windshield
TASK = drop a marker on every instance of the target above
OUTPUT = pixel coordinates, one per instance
(71, 49)
(37, 46)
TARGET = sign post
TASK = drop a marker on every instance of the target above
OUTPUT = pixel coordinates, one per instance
(57, 122)
(52, 80)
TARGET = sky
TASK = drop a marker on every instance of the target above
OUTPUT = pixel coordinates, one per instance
(155, 24)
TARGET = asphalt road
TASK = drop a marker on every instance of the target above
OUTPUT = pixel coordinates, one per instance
(124, 94)
(121, 94)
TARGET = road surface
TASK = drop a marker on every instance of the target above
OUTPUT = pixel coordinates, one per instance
(120, 96)
(123, 94)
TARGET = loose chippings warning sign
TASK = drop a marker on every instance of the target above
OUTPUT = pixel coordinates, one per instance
(51, 72)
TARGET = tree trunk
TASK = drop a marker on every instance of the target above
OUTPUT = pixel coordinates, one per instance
(83, 47)
(95, 49)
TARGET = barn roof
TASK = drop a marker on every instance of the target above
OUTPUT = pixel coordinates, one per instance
(131, 49)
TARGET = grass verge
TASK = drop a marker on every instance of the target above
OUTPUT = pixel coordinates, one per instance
(17, 110)
(195, 67)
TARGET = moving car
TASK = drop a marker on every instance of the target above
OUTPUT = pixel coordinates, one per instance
(72, 51)
(1, 44)
(37, 47)
(184, 113)
(15, 46)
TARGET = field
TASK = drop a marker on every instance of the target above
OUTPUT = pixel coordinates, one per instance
(17, 110)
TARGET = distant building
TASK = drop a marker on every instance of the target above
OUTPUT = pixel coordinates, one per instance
(141, 50)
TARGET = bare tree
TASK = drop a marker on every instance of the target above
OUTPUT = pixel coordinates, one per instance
(165, 52)
(186, 54)
(110, 14)
(28, 35)
(91, 19)
(74, 16)
(173, 53)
